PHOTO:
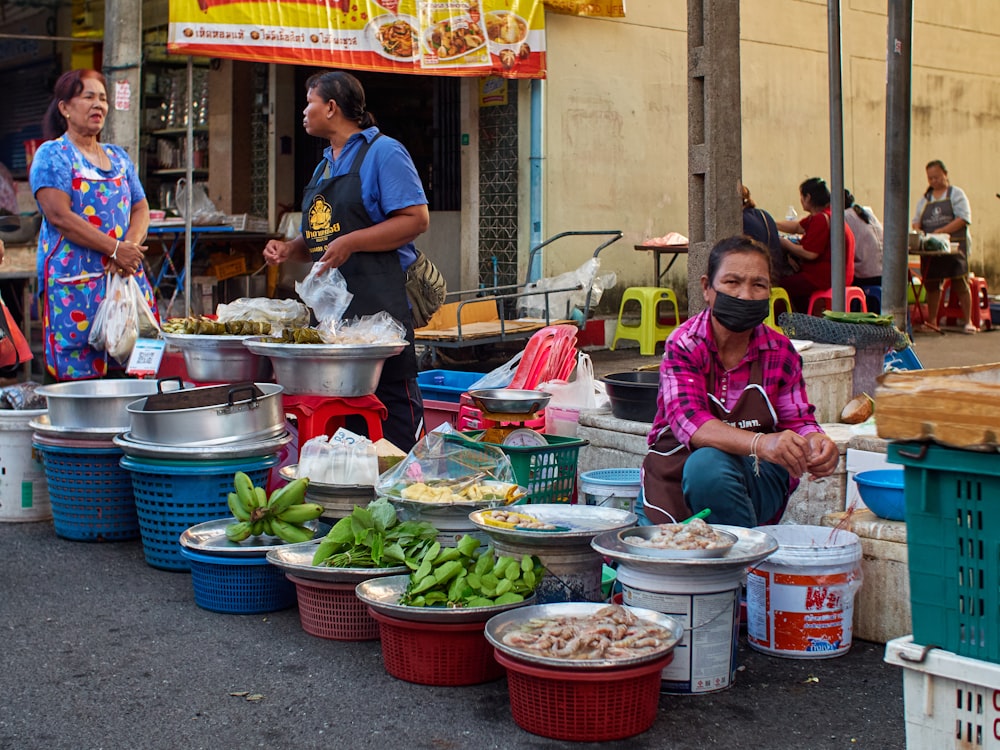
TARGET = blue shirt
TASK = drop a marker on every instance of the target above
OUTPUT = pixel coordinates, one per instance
(389, 179)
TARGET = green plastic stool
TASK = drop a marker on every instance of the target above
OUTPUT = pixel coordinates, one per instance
(649, 331)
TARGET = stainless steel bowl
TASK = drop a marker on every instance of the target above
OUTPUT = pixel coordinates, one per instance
(210, 538)
(344, 370)
(646, 532)
(510, 400)
(500, 624)
(383, 594)
(297, 560)
(94, 404)
(221, 359)
(223, 452)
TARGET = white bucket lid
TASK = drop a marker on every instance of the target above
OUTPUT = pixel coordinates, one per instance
(812, 545)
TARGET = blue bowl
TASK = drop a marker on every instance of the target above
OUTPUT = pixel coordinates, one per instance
(882, 491)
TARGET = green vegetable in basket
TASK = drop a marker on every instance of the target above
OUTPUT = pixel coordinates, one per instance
(373, 537)
(462, 576)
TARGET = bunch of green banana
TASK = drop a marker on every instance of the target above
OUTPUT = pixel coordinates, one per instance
(461, 576)
(283, 514)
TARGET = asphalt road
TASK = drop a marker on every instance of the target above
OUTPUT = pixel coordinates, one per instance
(103, 651)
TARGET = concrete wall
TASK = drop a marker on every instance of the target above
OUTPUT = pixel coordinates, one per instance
(616, 117)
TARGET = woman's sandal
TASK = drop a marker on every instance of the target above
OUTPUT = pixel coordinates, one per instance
(970, 329)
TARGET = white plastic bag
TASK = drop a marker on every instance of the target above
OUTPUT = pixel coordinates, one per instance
(561, 303)
(499, 377)
(203, 211)
(326, 293)
(578, 393)
(116, 324)
(344, 458)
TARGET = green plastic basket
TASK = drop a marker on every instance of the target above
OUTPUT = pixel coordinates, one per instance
(548, 472)
(953, 542)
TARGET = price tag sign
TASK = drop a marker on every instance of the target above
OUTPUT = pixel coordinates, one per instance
(146, 357)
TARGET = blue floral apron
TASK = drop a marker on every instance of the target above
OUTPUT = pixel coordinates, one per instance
(74, 278)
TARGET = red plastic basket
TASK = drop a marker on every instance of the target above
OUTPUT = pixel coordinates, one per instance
(333, 610)
(437, 654)
(583, 705)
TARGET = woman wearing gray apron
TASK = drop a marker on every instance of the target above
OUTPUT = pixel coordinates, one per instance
(734, 429)
(361, 211)
(944, 209)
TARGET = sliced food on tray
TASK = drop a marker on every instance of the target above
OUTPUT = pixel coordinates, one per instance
(460, 492)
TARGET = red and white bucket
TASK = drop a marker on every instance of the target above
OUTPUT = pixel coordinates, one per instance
(800, 600)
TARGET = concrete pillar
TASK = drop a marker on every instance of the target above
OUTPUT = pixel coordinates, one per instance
(122, 69)
(715, 152)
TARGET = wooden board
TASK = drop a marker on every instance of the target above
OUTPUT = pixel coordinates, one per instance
(955, 406)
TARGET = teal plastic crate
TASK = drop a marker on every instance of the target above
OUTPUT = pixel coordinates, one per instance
(953, 544)
(548, 472)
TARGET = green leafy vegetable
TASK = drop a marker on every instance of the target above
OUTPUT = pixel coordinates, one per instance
(373, 537)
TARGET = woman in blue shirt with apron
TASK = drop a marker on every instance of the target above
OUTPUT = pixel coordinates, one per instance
(361, 212)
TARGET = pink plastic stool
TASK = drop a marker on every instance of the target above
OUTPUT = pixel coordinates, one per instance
(854, 294)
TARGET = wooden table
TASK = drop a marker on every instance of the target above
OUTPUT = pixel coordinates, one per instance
(672, 250)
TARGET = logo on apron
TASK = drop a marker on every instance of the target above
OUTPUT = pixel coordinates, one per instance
(321, 226)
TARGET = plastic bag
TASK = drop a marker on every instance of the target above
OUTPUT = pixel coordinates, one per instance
(578, 393)
(445, 457)
(203, 211)
(22, 396)
(499, 377)
(280, 313)
(325, 293)
(562, 303)
(380, 328)
(343, 458)
(116, 324)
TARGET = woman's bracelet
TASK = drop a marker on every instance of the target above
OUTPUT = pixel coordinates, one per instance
(114, 255)
(753, 453)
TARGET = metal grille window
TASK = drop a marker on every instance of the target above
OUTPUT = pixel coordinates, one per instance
(259, 142)
(498, 167)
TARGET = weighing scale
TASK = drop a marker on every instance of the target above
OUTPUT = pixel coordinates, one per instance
(516, 407)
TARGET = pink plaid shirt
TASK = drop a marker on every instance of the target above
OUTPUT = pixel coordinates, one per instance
(690, 353)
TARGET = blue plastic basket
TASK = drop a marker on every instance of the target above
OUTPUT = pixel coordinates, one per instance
(91, 495)
(238, 585)
(172, 497)
(445, 385)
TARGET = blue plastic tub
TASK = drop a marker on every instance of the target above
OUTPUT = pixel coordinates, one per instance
(882, 492)
(170, 497)
(238, 585)
(445, 385)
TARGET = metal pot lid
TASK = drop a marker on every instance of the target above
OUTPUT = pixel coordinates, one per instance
(751, 547)
(291, 472)
(245, 449)
(210, 538)
(498, 625)
(297, 560)
(383, 594)
(583, 523)
(43, 426)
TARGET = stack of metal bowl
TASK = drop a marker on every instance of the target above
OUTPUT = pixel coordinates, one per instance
(219, 359)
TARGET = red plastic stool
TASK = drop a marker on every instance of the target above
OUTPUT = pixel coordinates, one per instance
(854, 294)
(981, 316)
(322, 415)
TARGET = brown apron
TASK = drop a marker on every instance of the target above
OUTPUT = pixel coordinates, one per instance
(663, 466)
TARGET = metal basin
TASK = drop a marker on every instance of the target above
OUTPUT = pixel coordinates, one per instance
(94, 404)
(343, 370)
(219, 359)
(240, 418)
(633, 394)
(510, 400)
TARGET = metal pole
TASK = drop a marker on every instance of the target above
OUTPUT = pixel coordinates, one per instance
(837, 240)
(189, 174)
(897, 160)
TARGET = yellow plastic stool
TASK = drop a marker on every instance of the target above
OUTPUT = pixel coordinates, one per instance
(649, 331)
(780, 296)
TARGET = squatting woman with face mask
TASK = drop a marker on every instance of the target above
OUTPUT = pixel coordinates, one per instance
(734, 429)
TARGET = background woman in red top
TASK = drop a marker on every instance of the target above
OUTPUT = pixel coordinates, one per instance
(813, 252)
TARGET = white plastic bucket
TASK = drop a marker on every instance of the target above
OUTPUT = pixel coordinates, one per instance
(708, 606)
(800, 600)
(24, 493)
(612, 488)
(562, 421)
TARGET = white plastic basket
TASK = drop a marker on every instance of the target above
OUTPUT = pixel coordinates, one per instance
(951, 701)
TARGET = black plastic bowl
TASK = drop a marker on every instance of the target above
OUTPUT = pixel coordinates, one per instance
(633, 394)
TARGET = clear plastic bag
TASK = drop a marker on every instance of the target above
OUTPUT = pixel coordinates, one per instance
(203, 211)
(325, 293)
(343, 458)
(119, 318)
(561, 304)
(380, 328)
(499, 377)
(280, 313)
(579, 393)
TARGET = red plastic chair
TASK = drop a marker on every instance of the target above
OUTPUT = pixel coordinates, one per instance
(549, 354)
(854, 294)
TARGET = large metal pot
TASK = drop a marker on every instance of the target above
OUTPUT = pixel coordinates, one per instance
(239, 416)
(219, 359)
(344, 370)
(93, 404)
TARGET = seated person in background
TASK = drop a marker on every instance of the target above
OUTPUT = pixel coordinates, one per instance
(734, 429)
(867, 231)
(759, 225)
(813, 253)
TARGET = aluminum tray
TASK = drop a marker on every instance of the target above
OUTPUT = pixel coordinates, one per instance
(383, 594)
(249, 449)
(43, 426)
(498, 624)
(297, 560)
(645, 532)
(210, 538)
(751, 547)
(584, 522)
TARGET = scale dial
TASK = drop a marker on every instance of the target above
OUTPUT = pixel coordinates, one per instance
(525, 437)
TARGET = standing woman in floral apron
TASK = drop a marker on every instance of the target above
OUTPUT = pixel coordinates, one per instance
(361, 212)
(944, 209)
(734, 429)
(94, 221)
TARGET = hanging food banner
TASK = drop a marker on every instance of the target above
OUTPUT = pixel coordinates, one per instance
(599, 9)
(426, 37)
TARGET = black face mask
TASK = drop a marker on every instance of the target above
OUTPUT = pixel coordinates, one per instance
(739, 315)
